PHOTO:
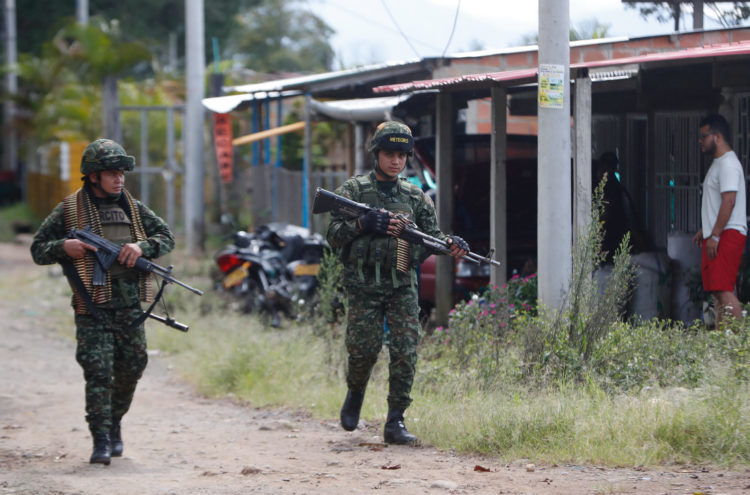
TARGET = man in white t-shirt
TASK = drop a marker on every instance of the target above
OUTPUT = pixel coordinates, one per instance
(723, 217)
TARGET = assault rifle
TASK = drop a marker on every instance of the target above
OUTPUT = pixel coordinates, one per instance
(106, 254)
(326, 201)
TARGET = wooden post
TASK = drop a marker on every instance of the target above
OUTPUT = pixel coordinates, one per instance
(444, 273)
(499, 185)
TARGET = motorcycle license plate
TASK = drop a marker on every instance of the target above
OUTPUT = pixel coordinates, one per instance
(236, 276)
(311, 269)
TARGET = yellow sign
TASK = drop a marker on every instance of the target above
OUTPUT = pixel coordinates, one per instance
(551, 85)
(236, 276)
(307, 269)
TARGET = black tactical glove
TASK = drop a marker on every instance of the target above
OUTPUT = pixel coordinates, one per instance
(462, 244)
(375, 221)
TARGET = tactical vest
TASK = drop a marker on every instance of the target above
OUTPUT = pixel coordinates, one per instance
(385, 255)
(112, 222)
(116, 226)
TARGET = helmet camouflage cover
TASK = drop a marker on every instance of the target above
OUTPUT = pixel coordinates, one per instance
(392, 136)
(105, 154)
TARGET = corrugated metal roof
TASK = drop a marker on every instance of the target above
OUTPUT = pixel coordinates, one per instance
(521, 75)
(509, 75)
(299, 82)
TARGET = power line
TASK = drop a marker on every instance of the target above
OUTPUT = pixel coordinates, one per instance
(453, 29)
(399, 28)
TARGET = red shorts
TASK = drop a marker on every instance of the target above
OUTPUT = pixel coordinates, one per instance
(720, 274)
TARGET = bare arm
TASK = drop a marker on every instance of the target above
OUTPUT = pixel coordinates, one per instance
(725, 211)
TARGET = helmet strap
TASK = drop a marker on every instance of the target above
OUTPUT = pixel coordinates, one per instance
(97, 185)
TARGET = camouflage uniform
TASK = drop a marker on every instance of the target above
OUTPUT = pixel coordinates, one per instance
(377, 289)
(112, 355)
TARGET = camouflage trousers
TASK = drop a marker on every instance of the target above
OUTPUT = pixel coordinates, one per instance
(113, 358)
(369, 307)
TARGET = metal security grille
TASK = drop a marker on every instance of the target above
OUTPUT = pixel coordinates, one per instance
(678, 171)
(741, 125)
(626, 136)
(158, 170)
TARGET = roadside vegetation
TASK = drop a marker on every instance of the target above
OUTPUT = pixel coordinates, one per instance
(505, 378)
(16, 218)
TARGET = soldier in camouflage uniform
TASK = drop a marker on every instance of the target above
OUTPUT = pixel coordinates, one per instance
(380, 276)
(110, 349)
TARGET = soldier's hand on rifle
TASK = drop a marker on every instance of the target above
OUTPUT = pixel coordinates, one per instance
(129, 254)
(378, 221)
(76, 249)
(458, 246)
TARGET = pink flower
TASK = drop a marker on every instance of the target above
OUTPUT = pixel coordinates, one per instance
(492, 305)
(494, 312)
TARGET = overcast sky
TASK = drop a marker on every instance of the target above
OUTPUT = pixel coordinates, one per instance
(367, 33)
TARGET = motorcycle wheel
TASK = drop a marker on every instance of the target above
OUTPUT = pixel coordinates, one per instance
(253, 294)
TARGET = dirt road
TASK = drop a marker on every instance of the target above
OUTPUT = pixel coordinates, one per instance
(177, 442)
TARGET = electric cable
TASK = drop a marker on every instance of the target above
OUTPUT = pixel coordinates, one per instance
(453, 29)
(399, 28)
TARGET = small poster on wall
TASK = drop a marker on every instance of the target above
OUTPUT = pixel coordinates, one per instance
(551, 85)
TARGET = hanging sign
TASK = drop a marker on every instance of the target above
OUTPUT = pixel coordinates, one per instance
(223, 145)
(551, 85)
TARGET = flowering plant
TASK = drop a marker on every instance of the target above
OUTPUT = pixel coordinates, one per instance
(479, 328)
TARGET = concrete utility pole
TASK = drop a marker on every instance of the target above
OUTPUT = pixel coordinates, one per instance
(82, 11)
(10, 140)
(554, 224)
(193, 127)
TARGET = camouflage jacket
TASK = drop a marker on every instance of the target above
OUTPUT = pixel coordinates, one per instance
(47, 248)
(360, 251)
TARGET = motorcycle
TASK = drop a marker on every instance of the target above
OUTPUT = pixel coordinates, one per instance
(273, 271)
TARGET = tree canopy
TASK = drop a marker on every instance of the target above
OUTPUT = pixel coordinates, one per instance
(725, 13)
(270, 35)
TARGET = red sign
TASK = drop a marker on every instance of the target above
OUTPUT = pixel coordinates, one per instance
(223, 145)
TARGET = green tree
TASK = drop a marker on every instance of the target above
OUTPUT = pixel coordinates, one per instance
(590, 29)
(287, 38)
(276, 37)
(153, 20)
(99, 54)
(667, 11)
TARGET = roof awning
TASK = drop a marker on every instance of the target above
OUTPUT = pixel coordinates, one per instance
(226, 104)
(354, 110)
(359, 109)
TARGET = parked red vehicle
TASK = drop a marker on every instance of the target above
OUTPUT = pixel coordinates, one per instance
(471, 218)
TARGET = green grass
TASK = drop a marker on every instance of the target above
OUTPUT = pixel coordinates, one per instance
(18, 213)
(555, 422)
(552, 420)
(573, 424)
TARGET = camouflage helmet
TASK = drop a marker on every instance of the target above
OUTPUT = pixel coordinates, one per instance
(105, 154)
(392, 136)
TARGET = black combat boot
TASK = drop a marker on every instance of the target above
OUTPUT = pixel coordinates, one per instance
(102, 452)
(350, 410)
(115, 440)
(395, 431)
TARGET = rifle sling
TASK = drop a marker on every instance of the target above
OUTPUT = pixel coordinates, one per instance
(145, 314)
(70, 272)
(75, 279)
